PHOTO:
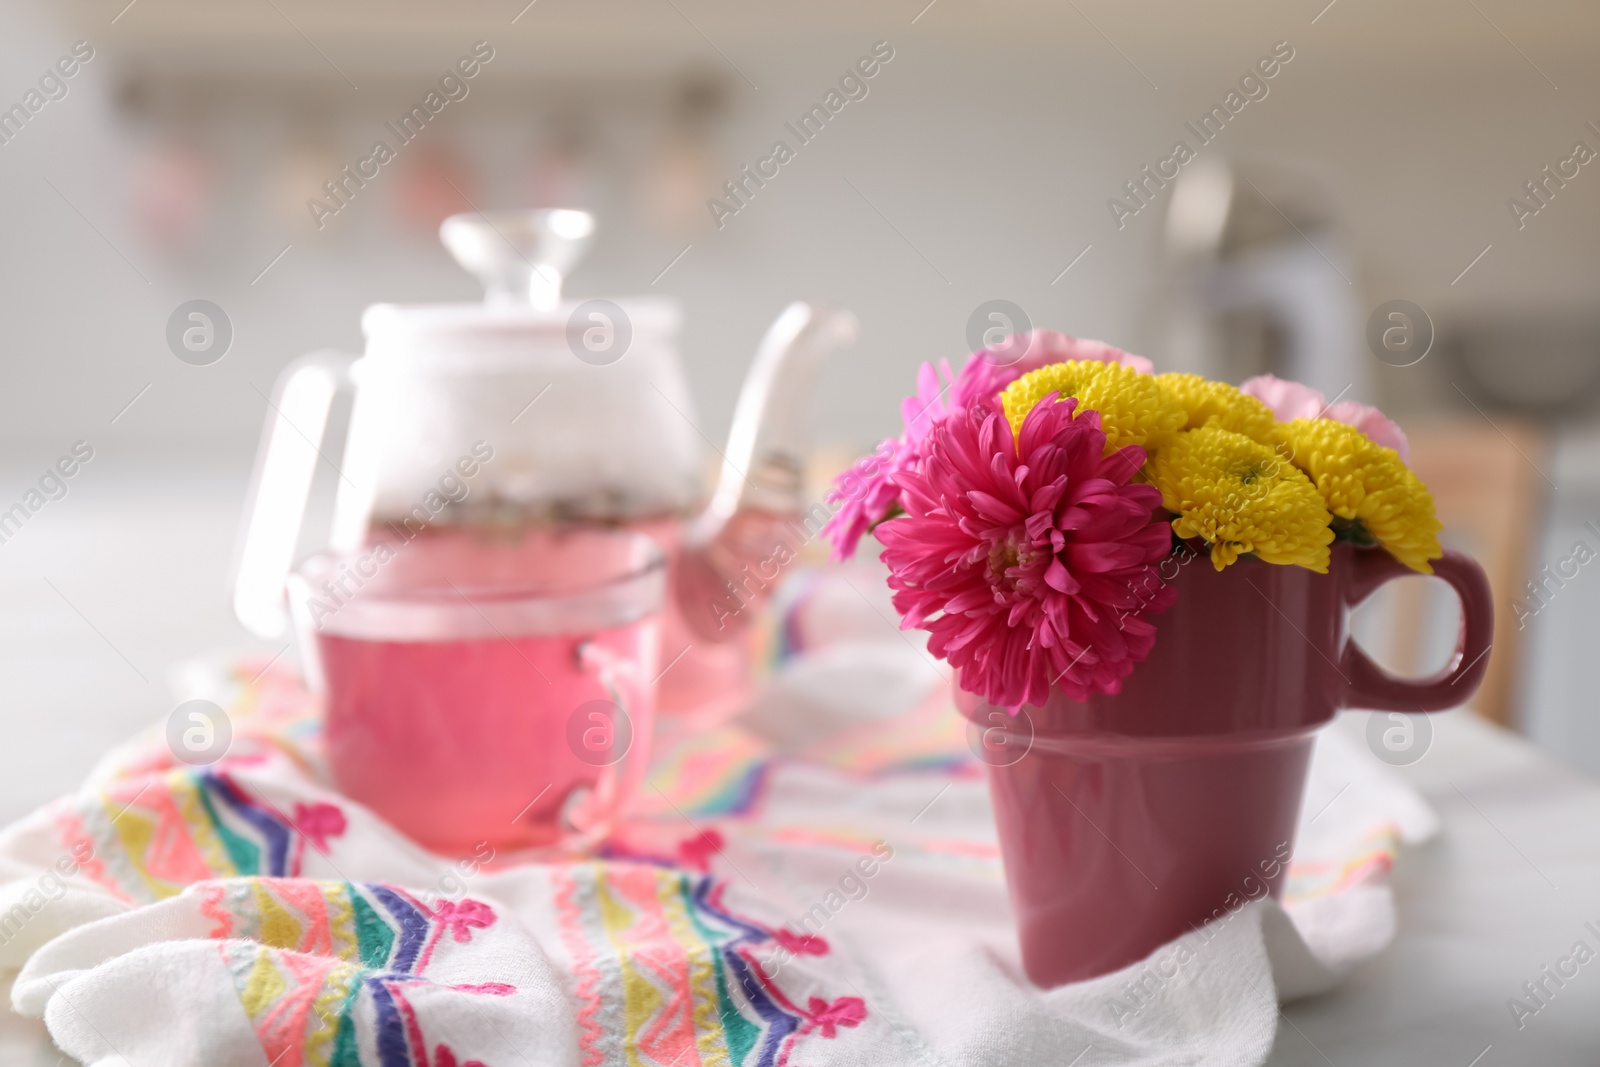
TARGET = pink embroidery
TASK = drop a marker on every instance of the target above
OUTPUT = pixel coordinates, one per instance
(494, 989)
(846, 1011)
(409, 1014)
(171, 855)
(238, 756)
(143, 764)
(443, 1057)
(463, 917)
(802, 944)
(459, 919)
(282, 1029)
(696, 852)
(318, 822)
(307, 897)
(211, 898)
(648, 944)
(582, 955)
(73, 835)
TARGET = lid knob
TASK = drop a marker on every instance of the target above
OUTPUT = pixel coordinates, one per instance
(521, 257)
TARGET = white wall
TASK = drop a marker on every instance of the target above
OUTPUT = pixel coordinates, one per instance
(991, 142)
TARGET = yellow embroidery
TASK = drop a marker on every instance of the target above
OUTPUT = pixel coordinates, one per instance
(186, 798)
(329, 1007)
(710, 1038)
(264, 987)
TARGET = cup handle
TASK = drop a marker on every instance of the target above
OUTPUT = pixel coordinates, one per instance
(594, 816)
(1370, 686)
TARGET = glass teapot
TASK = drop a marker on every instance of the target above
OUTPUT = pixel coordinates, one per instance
(480, 423)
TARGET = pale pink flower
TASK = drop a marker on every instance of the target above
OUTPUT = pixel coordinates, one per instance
(1372, 422)
(1029, 559)
(1288, 400)
(1292, 400)
(1044, 347)
(992, 369)
(868, 492)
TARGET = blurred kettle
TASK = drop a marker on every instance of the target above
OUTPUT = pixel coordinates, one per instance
(1257, 279)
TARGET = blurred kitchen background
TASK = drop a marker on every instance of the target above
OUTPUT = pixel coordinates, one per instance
(978, 166)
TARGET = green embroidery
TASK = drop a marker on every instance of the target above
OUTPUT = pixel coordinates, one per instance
(373, 936)
(740, 1032)
(245, 854)
(346, 1052)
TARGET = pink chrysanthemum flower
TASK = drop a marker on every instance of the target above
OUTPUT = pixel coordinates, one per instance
(1030, 560)
(868, 492)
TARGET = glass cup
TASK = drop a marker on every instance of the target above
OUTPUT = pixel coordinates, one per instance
(487, 690)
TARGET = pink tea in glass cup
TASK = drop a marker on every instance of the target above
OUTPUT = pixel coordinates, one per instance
(494, 692)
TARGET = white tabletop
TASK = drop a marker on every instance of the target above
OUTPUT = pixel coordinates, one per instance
(1503, 891)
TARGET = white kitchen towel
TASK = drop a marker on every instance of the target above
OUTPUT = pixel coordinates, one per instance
(785, 893)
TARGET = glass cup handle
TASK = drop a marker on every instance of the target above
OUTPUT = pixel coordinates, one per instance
(593, 817)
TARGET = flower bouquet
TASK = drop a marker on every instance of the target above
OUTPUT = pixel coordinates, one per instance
(1146, 723)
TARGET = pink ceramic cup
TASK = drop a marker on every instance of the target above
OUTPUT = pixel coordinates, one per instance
(1126, 821)
(481, 690)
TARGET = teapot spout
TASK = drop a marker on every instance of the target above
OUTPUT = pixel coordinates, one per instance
(737, 545)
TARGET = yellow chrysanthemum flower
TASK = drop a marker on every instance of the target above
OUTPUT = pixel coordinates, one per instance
(1241, 496)
(1209, 403)
(1365, 483)
(1133, 410)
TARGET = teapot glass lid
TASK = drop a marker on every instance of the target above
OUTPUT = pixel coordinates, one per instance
(522, 258)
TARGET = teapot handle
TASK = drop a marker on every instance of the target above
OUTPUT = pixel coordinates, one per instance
(291, 444)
